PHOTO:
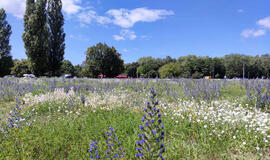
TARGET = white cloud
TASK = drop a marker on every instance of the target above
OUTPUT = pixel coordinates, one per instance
(253, 33)
(90, 16)
(265, 22)
(264, 25)
(240, 10)
(123, 17)
(78, 37)
(125, 34)
(125, 50)
(118, 38)
(127, 18)
(71, 6)
(17, 7)
(14, 7)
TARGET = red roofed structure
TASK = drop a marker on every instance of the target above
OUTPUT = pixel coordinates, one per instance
(102, 76)
(122, 76)
(119, 76)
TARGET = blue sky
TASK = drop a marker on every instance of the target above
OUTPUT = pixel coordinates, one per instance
(157, 28)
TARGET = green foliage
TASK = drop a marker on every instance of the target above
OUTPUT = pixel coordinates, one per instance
(131, 69)
(219, 68)
(78, 71)
(148, 67)
(197, 75)
(102, 59)
(265, 65)
(187, 65)
(252, 67)
(21, 67)
(35, 36)
(5, 32)
(171, 70)
(232, 65)
(205, 66)
(196, 67)
(56, 36)
(6, 64)
(67, 68)
(5, 57)
(238, 65)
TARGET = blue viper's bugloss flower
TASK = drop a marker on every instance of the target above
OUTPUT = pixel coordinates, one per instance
(82, 98)
(93, 150)
(150, 144)
(15, 119)
(257, 94)
(114, 149)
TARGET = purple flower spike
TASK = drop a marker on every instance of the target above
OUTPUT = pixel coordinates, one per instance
(152, 135)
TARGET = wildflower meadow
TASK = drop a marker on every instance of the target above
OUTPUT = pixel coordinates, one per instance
(56, 118)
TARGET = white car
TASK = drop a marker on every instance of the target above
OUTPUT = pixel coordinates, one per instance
(29, 76)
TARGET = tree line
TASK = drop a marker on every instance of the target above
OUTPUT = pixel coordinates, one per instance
(192, 66)
(44, 42)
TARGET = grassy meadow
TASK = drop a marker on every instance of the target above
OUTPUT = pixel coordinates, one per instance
(55, 118)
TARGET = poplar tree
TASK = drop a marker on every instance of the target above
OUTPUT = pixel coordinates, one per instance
(56, 36)
(35, 36)
(5, 57)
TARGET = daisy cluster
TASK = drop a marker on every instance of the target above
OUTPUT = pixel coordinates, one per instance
(57, 94)
(223, 113)
(114, 98)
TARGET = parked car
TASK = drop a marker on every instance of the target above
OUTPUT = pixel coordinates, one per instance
(68, 76)
(29, 76)
(10, 76)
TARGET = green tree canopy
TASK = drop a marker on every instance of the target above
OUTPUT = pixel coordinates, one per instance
(265, 65)
(67, 68)
(148, 67)
(170, 70)
(21, 67)
(102, 59)
(188, 65)
(219, 68)
(234, 65)
(5, 57)
(78, 71)
(131, 69)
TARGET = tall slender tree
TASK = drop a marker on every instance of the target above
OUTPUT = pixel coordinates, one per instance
(30, 8)
(5, 57)
(56, 36)
(36, 35)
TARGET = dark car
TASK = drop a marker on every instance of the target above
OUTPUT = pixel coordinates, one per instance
(68, 76)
